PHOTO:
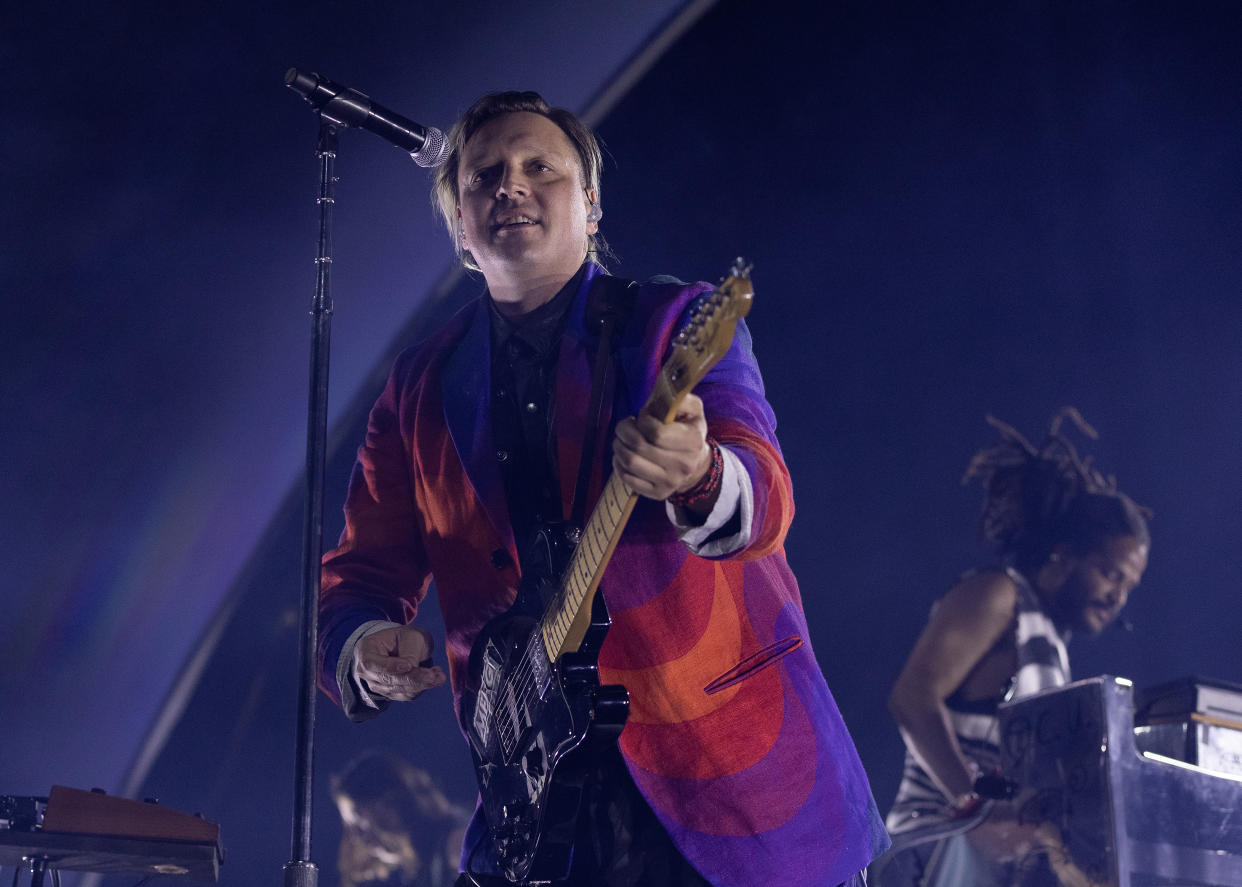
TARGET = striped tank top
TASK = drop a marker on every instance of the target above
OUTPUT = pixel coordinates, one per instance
(1042, 663)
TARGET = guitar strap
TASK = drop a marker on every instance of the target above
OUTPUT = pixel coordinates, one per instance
(614, 302)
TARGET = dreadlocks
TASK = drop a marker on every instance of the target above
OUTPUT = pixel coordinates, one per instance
(1038, 498)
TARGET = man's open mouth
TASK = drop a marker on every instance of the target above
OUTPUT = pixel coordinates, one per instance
(514, 222)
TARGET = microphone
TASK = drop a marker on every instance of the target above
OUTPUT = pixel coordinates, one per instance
(348, 107)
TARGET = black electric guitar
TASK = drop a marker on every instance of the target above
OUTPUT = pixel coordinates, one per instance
(539, 705)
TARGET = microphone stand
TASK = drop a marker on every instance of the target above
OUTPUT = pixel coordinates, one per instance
(338, 108)
(300, 871)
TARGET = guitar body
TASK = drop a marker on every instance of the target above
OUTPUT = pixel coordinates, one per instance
(533, 724)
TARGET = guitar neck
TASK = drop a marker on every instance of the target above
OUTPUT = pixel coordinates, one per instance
(565, 621)
(695, 349)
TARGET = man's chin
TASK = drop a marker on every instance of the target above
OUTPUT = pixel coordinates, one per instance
(1096, 622)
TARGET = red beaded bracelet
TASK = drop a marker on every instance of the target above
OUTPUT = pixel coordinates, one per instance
(967, 806)
(708, 484)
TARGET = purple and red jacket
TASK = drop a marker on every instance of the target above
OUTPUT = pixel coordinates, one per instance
(758, 783)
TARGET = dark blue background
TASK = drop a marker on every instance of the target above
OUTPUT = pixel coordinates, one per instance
(953, 210)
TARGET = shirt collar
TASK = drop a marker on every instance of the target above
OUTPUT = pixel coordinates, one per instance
(539, 329)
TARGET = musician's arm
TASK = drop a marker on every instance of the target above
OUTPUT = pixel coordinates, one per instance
(724, 527)
(374, 580)
(741, 420)
(751, 514)
(966, 624)
(659, 461)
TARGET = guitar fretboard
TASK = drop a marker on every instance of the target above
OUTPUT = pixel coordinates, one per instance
(599, 538)
(696, 348)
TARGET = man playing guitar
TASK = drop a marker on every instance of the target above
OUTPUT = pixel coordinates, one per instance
(734, 767)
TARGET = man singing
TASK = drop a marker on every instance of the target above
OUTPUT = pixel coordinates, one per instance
(1071, 550)
(477, 442)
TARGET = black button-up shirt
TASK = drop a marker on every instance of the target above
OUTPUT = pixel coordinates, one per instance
(524, 353)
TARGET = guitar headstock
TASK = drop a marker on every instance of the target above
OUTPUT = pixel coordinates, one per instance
(709, 332)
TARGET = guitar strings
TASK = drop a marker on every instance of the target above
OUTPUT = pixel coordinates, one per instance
(521, 681)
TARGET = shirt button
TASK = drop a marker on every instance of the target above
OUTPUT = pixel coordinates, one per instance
(502, 455)
(532, 407)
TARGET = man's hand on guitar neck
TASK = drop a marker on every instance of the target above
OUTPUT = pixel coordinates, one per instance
(657, 460)
(395, 663)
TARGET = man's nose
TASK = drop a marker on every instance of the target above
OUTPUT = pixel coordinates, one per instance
(512, 182)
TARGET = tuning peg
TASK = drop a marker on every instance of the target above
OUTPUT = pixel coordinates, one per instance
(741, 268)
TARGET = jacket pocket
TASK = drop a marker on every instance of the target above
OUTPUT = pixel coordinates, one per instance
(754, 663)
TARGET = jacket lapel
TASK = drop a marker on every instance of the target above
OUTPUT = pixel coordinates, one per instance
(573, 394)
(467, 389)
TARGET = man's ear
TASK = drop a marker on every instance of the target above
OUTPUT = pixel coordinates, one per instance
(1060, 564)
(594, 211)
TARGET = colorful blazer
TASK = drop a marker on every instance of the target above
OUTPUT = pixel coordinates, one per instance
(758, 782)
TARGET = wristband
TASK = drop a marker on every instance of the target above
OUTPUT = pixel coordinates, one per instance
(966, 805)
(708, 485)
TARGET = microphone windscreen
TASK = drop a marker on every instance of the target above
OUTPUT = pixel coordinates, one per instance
(434, 151)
